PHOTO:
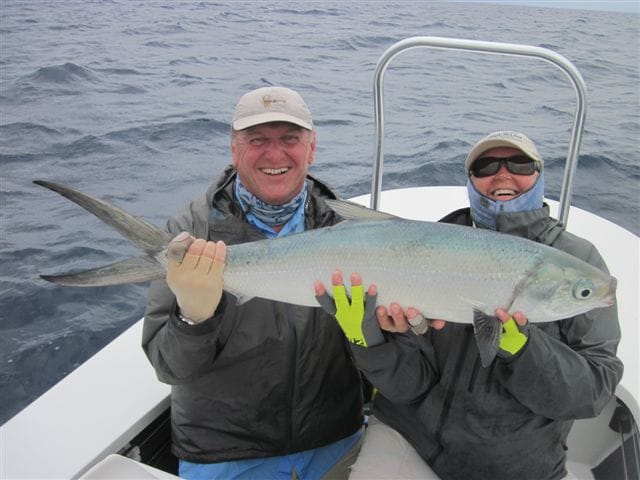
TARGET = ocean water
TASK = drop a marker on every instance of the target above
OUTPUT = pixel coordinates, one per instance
(131, 101)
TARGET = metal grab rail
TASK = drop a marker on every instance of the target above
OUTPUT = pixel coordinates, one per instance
(493, 48)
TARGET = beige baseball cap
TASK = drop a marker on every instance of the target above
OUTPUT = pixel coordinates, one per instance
(271, 104)
(503, 139)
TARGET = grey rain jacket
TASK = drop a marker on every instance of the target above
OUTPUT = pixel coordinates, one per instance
(259, 379)
(511, 419)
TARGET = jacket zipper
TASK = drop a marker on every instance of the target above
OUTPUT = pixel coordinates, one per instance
(446, 407)
(289, 315)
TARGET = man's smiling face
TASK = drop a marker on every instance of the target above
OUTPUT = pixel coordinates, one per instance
(272, 159)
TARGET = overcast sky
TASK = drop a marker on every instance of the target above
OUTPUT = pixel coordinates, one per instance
(629, 6)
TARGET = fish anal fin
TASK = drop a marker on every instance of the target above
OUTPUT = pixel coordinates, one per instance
(487, 331)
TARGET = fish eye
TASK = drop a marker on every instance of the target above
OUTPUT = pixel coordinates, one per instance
(583, 289)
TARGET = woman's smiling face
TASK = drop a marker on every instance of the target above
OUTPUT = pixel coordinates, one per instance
(504, 185)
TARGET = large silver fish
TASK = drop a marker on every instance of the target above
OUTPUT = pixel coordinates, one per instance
(449, 272)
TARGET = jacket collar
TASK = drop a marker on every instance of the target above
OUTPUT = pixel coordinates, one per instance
(224, 205)
(532, 224)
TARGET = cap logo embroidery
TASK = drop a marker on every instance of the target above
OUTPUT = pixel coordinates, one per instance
(268, 100)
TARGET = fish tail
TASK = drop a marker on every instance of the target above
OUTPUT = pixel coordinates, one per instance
(132, 270)
(143, 235)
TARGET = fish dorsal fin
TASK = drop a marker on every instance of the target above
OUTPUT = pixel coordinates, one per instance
(355, 211)
(488, 330)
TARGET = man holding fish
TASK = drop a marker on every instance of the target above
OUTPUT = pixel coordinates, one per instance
(439, 411)
(263, 389)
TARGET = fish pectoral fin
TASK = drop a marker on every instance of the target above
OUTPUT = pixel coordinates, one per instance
(131, 270)
(487, 330)
(355, 211)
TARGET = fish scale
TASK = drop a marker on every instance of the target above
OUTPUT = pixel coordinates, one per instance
(443, 270)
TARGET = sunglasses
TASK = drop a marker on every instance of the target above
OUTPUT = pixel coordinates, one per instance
(518, 165)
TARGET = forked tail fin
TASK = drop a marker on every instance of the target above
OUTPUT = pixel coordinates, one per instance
(145, 236)
(131, 270)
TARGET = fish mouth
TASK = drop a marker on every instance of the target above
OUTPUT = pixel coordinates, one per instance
(611, 297)
(274, 171)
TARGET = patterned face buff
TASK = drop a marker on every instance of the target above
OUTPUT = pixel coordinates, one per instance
(485, 211)
(264, 215)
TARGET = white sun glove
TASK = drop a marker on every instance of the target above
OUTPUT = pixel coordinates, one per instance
(194, 275)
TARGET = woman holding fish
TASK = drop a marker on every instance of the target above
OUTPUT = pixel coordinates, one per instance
(439, 412)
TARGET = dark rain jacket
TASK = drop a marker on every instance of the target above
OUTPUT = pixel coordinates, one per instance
(259, 379)
(511, 419)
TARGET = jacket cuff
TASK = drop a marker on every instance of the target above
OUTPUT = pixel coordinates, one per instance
(206, 326)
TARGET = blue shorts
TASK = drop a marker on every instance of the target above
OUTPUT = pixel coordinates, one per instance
(309, 464)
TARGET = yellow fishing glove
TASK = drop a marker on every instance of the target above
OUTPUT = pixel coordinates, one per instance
(513, 339)
(356, 317)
